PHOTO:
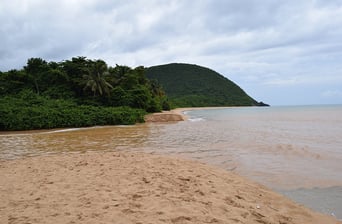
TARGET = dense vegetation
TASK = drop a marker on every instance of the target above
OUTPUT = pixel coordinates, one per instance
(76, 93)
(195, 86)
(82, 92)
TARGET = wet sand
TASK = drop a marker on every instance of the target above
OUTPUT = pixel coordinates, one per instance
(166, 116)
(175, 114)
(123, 187)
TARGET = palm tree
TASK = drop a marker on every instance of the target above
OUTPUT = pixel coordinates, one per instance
(95, 79)
(118, 73)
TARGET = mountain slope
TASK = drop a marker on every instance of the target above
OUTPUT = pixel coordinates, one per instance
(194, 86)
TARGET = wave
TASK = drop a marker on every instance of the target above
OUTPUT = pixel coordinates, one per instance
(196, 119)
(63, 130)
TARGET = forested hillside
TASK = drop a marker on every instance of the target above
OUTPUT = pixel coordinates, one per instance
(76, 93)
(189, 85)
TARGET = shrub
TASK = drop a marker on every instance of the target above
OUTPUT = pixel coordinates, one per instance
(28, 112)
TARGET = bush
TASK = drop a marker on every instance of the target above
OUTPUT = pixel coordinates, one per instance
(36, 112)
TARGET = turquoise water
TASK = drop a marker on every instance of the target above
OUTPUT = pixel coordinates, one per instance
(294, 150)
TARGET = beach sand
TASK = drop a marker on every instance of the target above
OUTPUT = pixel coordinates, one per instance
(175, 114)
(166, 116)
(123, 187)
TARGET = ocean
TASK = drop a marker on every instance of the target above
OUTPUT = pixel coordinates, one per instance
(294, 150)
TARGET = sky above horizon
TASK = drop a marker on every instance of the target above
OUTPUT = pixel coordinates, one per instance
(279, 52)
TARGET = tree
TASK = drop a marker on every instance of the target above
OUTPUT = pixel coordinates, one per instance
(75, 69)
(95, 79)
(156, 88)
(14, 81)
(118, 73)
(35, 69)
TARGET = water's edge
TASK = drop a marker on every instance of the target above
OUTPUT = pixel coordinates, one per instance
(292, 150)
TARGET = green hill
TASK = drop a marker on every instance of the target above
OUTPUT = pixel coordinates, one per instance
(189, 85)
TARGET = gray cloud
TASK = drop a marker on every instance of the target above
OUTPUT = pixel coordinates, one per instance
(258, 45)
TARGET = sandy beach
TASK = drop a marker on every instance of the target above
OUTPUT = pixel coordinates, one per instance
(175, 114)
(167, 116)
(122, 187)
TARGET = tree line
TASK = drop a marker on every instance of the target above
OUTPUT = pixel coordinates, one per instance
(76, 93)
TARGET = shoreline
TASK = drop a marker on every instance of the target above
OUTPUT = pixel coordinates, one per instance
(167, 116)
(59, 160)
(125, 187)
(175, 115)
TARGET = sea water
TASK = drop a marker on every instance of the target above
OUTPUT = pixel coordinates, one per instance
(295, 150)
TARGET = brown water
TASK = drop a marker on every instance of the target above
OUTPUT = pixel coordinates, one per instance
(294, 150)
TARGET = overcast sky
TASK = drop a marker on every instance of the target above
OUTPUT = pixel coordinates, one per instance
(280, 52)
